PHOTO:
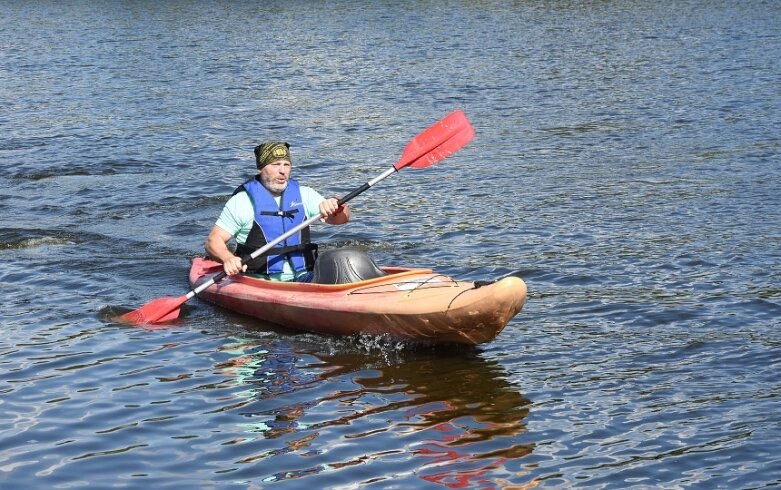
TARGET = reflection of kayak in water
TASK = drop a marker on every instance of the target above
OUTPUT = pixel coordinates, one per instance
(399, 303)
(464, 437)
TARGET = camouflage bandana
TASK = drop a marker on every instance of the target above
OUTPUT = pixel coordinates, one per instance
(271, 152)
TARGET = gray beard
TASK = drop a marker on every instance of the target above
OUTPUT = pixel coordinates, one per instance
(273, 187)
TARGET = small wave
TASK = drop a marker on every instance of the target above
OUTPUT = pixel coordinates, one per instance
(98, 167)
(363, 245)
(52, 173)
(20, 238)
(14, 144)
(25, 242)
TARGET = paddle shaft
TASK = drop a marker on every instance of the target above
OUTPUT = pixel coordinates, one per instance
(265, 248)
(439, 141)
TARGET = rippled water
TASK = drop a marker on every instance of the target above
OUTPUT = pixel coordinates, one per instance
(625, 165)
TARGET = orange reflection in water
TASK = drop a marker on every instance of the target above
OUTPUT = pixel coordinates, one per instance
(462, 420)
(448, 451)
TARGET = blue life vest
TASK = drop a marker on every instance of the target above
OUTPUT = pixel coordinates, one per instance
(271, 221)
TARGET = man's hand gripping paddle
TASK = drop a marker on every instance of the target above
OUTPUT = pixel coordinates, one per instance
(436, 143)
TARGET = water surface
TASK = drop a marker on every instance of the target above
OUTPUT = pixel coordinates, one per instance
(625, 165)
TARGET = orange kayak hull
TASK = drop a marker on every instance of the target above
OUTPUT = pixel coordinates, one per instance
(406, 304)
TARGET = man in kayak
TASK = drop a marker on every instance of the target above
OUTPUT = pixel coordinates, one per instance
(265, 207)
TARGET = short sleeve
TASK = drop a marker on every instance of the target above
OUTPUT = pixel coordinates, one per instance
(312, 200)
(237, 216)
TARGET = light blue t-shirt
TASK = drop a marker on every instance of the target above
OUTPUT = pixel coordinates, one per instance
(238, 215)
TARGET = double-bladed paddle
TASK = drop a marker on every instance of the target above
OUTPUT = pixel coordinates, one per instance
(439, 141)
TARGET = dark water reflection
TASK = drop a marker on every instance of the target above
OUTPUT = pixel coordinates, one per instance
(452, 416)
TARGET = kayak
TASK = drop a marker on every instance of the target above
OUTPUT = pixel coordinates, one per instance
(401, 303)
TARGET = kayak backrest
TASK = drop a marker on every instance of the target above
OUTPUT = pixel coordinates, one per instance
(345, 265)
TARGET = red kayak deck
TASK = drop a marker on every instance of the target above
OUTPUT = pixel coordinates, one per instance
(405, 304)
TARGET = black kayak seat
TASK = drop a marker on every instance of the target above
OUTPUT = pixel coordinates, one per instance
(344, 265)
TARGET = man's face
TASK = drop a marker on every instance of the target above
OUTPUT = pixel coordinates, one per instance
(275, 175)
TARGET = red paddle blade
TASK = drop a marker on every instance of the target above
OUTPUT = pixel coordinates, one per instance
(452, 145)
(439, 141)
(156, 311)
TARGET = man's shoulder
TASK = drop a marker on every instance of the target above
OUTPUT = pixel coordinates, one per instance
(240, 197)
(240, 203)
(309, 193)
